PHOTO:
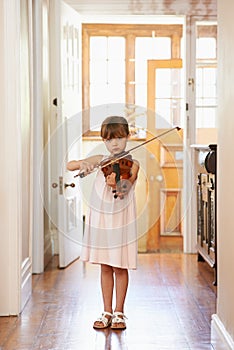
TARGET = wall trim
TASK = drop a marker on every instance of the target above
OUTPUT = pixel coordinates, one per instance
(220, 338)
(38, 165)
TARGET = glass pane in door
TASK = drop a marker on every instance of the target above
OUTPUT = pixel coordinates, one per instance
(206, 83)
(169, 101)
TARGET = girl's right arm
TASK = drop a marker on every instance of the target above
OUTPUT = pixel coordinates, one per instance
(85, 165)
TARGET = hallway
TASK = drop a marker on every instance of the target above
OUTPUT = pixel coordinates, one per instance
(169, 306)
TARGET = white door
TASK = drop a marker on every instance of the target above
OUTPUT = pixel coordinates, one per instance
(65, 128)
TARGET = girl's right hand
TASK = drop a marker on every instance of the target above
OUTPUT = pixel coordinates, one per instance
(85, 166)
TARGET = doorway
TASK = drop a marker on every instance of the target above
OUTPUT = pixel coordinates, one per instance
(115, 63)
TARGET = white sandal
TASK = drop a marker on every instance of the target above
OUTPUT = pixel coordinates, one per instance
(105, 320)
(118, 322)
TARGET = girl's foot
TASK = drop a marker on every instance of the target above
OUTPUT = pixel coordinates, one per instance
(104, 321)
(118, 321)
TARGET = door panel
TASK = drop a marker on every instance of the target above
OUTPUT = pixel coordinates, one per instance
(66, 128)
(165, 101)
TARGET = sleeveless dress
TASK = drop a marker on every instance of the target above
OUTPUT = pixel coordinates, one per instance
(110, 235)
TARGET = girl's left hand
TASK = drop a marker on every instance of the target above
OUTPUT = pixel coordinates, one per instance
(110, 180)
(122, 188)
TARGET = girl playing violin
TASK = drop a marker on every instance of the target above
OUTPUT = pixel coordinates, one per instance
(110, 237)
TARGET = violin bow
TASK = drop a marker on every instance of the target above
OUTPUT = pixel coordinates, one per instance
(112, 160)
(125, 153)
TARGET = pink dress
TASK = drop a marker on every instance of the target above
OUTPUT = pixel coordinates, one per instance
(110, 235)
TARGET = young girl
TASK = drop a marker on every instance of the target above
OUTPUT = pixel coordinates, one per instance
(110, 237)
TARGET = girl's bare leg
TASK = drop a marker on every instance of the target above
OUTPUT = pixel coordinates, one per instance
(107, 285)
(121, 286)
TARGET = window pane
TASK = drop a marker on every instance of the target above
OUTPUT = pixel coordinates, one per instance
(100, 112)
(206, 90)
(141, 95)
(147, 48)
(153, 48)
(97, 94)
(163, 83)
(162, 48)
(116, 48)
(141, 72)
(169, 96)
(106, 93)
(206, 82)
(98, 47)
(206, 48)
(137, 124)
(115, 93)
(116, 72)
(205, 117)
(107, 70)
(163, 110)
(206, 102)
(98, 72)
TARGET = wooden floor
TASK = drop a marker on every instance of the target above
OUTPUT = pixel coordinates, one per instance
(169, 306)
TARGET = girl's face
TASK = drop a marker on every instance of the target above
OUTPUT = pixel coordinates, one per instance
(116, 145)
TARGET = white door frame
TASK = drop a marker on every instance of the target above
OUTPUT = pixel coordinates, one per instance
(190, 176)
(189, 193)
(15, 274)
(38, 165)
(10, 189)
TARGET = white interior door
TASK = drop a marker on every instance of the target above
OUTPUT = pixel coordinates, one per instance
(66, 132)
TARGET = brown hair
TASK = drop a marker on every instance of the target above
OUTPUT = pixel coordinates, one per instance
(113, 127)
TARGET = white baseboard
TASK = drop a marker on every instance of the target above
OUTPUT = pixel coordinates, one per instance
(220, 338)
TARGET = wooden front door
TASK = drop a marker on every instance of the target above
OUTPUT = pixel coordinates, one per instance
(165, 155)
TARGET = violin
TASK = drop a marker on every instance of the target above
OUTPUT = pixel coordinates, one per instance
(122, 168)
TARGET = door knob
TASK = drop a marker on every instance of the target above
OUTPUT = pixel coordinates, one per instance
(71, 185)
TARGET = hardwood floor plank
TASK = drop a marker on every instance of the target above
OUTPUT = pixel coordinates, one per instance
(169, 305)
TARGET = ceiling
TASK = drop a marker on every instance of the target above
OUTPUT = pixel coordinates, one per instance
(145, 7)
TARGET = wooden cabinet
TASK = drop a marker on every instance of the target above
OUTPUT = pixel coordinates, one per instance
(205, 159)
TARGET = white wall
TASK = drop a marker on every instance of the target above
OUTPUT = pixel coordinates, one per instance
(10, 159)
(223, 321)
